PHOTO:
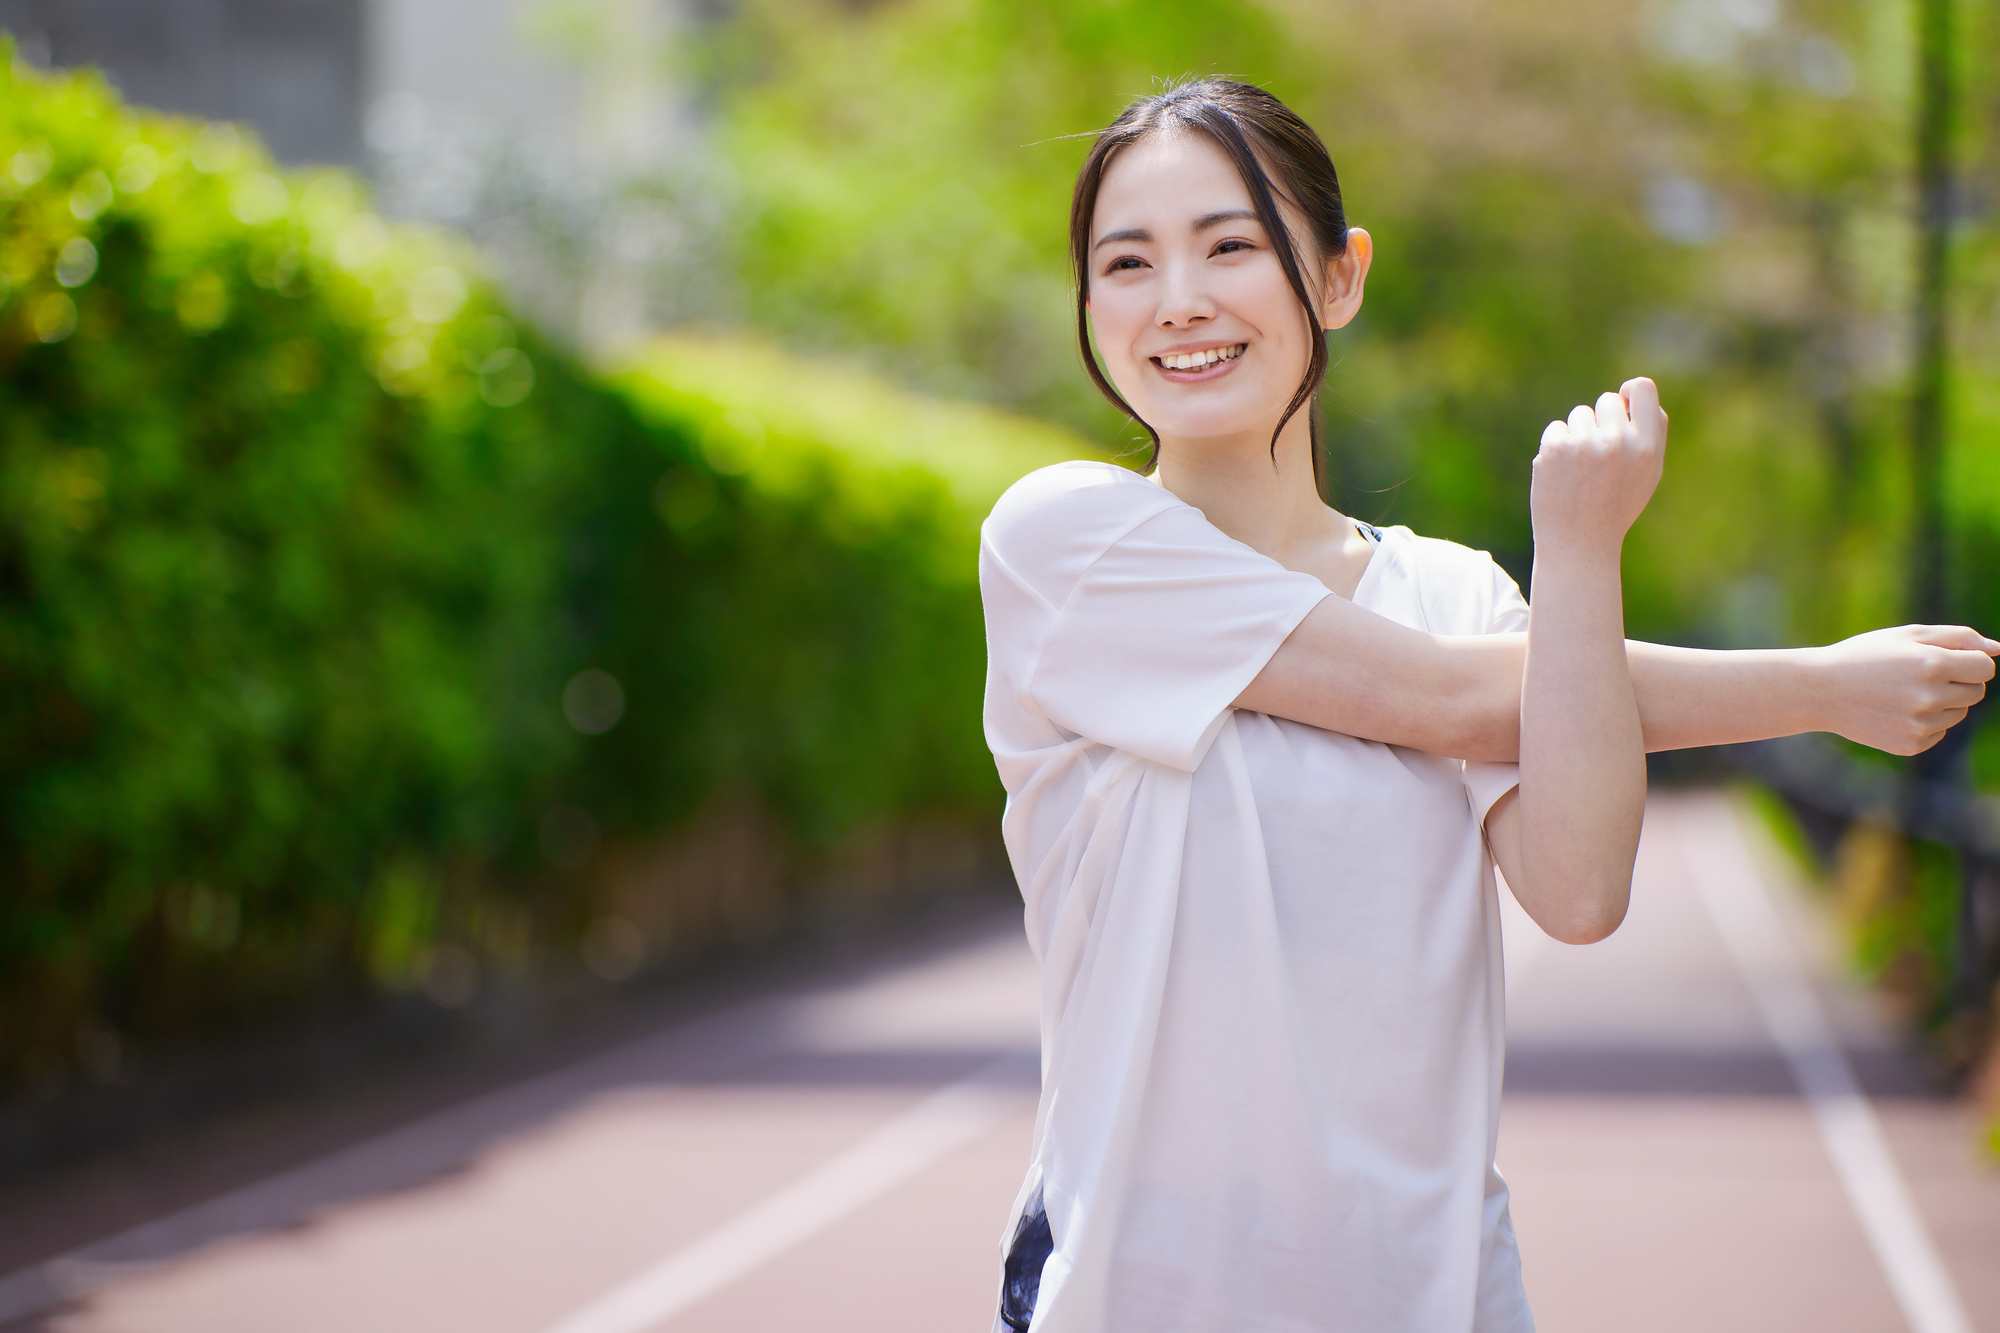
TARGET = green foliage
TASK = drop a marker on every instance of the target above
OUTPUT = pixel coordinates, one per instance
(905, 172)
(1783, 826)
(273, 564)
(1561, 195)
(863, 666)
(305, 548)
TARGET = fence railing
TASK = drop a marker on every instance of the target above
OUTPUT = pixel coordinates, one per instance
(1932, 800)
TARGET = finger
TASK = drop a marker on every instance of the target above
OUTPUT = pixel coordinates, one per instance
(1642, 400)
(1610, 411)
(1935, 726)
(1553, 432)
(1956, 636)
(1967, 665)
(1582, 419)
(1961, 694)
(1947, 718)
(1642, 397)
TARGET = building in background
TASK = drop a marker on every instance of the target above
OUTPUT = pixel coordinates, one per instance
(294, 69)
(550, 131)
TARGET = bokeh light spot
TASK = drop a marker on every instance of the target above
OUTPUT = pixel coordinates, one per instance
(685, 498)
(593, 701)
(217, 148)
(92, 195)
(52, 316)
(506, 378)
(76, 263)
(439, 294)
(202, 302)
(259, 198)
(31, 162)
(138, 168)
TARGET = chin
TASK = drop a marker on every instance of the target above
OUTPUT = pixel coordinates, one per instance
(1206, 425)
(1196, 414)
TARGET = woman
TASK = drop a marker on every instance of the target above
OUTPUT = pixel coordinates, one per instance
(1260, 761)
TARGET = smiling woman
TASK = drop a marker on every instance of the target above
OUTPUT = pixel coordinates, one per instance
(1201, 137)
(1262, 760)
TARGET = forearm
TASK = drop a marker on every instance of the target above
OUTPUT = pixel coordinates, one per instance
(1349, 670)
(1691, 696)
(1583, 768)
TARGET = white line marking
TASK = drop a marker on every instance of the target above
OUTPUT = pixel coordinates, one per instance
(871, 1168)
(376, 1165)
(1755, 936)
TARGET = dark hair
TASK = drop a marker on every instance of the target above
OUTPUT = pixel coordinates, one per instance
(1254, 129)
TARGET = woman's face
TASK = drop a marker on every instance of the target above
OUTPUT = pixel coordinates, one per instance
(1194, 320)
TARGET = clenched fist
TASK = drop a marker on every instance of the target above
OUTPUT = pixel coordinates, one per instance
(1596, 471)
(1901, 689)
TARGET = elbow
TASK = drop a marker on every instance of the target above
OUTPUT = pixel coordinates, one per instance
(1588, 928)
(1583, 912)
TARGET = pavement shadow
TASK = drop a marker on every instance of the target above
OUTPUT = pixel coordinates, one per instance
(923, 1017)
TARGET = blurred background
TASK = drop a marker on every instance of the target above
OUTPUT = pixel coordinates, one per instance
(489, 488)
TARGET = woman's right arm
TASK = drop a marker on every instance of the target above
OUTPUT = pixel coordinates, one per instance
(1898, 690)
(1351, 671)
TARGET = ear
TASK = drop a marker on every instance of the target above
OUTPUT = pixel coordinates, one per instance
(1346, 276)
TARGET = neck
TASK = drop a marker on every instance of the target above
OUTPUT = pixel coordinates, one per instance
(1270, 505)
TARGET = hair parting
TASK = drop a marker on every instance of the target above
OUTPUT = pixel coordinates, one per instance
(1260, 135)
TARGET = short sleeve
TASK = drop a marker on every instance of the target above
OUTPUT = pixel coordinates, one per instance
(1485, 784)
(1160, 634)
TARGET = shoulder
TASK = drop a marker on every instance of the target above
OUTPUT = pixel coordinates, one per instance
(1070, 508)
(1435, 557)
(1463, 590)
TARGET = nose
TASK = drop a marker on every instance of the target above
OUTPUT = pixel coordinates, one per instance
(1184, 297)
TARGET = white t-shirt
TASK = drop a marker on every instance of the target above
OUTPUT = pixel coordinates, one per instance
(1271, 991)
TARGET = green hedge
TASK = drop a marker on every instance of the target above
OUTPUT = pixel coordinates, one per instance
(304, 544)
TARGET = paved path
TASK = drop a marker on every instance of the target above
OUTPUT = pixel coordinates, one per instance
(1666, 1171)
(767, 1166)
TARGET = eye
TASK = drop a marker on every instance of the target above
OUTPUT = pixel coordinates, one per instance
(1125, 263)
(1233, 246)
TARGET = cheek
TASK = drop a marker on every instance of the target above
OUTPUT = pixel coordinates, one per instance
(1118, 321)
(1262, 298)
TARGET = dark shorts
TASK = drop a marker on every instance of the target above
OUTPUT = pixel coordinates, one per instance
(1021, 1277)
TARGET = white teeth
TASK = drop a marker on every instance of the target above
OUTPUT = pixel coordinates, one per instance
(1202, 360)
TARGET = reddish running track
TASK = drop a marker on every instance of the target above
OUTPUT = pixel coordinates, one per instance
(839, 1155)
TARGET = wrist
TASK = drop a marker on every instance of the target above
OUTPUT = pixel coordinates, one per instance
(1815, 690)
(1579, 553)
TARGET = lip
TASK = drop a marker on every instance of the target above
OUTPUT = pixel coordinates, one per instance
(1206, 373)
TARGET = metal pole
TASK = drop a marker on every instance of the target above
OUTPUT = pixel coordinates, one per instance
(1939, 785)
(1929, 593)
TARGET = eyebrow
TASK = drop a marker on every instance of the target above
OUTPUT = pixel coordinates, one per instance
(1208, 220)
(1201, 224)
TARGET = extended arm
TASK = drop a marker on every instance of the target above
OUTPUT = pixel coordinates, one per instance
(1896, 689)
(1348, 670)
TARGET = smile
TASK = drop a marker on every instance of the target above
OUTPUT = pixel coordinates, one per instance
(1198, 361)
